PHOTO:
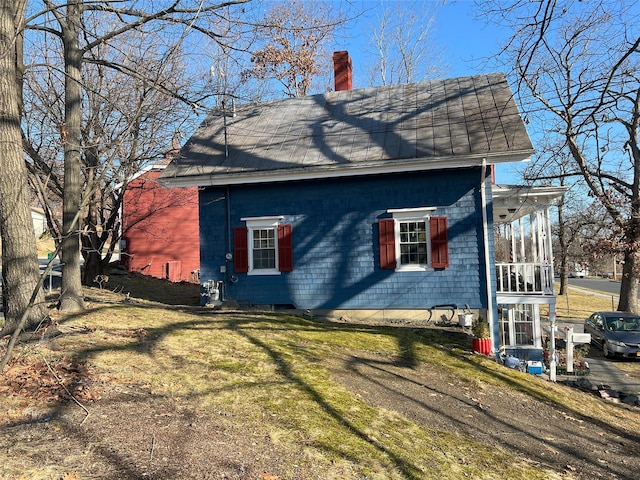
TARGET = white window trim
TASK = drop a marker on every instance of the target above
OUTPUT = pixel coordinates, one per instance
(411, 214)
(259, 223)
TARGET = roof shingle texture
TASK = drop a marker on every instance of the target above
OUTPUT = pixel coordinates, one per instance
(468, 116)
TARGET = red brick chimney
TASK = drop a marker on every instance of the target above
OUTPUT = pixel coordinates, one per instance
(342, 70)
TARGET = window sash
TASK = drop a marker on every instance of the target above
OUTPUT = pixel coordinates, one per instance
(264, 250)
(263, 254)
(523, 325)
(413, 243)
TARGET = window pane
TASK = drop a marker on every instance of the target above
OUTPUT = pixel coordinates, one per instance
(523, 326)
(263, 259)
(413, 243)
(505, 333)
(516, 319)
(263, 238)
(264, 249)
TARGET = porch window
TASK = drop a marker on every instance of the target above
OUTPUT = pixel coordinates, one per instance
(518, 324)
(413, 240)
(523, 324)
(263, 247)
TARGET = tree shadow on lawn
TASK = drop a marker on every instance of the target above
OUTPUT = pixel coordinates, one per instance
(494, 416)
(251, 326)
(534, 387)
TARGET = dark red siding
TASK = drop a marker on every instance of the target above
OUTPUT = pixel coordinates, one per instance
(160, 229)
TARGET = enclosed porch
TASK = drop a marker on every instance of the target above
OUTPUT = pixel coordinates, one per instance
(524, 266)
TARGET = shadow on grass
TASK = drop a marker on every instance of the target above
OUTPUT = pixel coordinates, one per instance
(251, 327)
(147, 288)
(429, 403)
(258, 329)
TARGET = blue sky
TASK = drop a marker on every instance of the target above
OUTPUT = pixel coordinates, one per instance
(465, 38)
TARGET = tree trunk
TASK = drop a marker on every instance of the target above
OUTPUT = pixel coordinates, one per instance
(91, 246)
(629, 283)
(20, 271)
(564, 276)
(71, 298)
(91, 239)
(564, 248)
(631, 268)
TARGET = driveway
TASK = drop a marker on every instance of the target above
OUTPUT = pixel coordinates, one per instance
(604, 371)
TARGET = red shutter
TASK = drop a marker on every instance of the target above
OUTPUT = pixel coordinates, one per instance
(285, 248)
(240, 250)
(387, 237)
(439, 242)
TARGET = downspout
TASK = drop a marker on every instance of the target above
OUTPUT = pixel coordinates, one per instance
(487, 265)
(228, 253)
(228, 219)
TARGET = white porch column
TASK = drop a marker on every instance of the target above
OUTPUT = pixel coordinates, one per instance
(536, 237)
(512, 237)
(549, 243)
(523, 251)
(552, 348)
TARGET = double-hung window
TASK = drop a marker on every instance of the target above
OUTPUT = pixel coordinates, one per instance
(263, 252)
(414, 239)
(412, 243)
(263, 246)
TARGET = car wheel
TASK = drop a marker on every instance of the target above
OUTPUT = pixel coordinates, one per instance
(605, 350)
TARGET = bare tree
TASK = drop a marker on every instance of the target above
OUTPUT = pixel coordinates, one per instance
(20, 271)
(82, 28)
(126, 125)
(577, 69)
(70, 152)
(575, 225)
(552, 168)
(293, 36)
(403, 46)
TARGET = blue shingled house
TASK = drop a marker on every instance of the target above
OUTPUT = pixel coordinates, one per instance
(376, 202)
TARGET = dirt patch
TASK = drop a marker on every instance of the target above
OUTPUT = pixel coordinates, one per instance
(128, 431)
(507, 419)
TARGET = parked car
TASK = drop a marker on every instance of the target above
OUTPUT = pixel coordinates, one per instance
(617, 333)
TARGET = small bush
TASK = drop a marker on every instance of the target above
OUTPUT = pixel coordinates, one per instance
(480, 328)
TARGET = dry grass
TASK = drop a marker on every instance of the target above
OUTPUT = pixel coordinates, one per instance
(270, 372)
(268, 369)
(577, 305)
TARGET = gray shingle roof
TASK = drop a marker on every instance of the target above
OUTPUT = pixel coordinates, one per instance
(437, 124)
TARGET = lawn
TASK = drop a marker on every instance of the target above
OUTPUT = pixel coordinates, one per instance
(135, 388)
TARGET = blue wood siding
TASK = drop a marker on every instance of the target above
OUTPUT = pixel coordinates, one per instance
(335, 241)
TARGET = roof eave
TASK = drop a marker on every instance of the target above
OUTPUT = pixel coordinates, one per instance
(512, 202)
(342, 170)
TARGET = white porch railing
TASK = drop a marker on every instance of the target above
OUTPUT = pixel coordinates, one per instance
(524, 278)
